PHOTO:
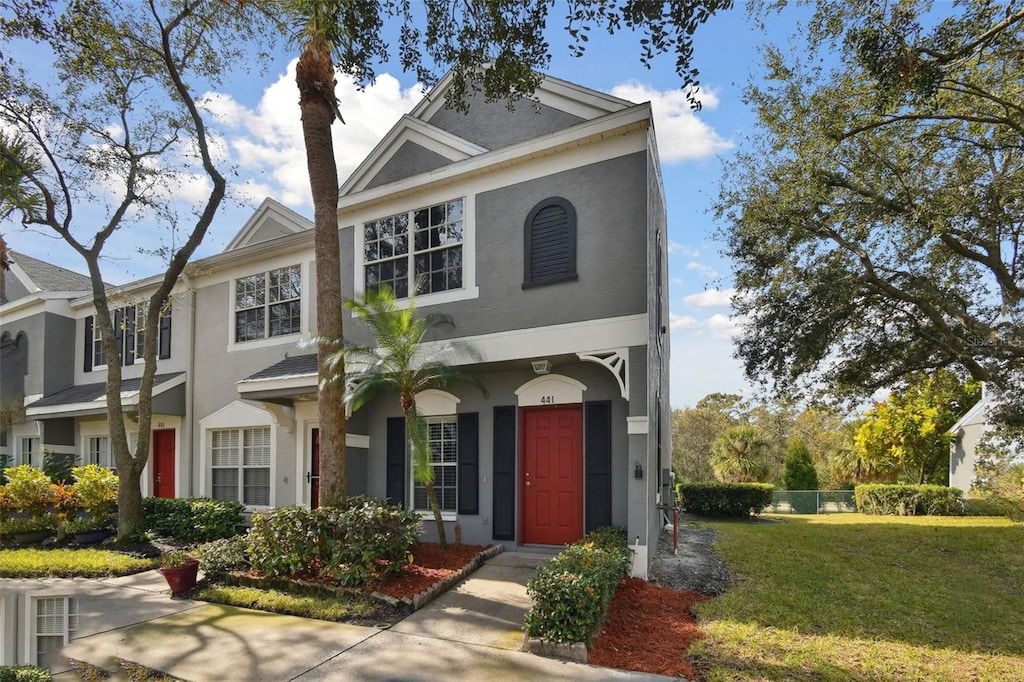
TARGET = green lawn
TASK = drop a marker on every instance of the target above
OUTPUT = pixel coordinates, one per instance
(854, 597)
(88, 563)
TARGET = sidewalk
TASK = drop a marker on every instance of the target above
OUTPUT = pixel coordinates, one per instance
(472, 632)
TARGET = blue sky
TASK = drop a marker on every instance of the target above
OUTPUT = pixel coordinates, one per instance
(259, 135)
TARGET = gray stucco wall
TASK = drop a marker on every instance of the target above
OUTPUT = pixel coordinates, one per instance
(528, 120)
(610, 202)
(410, 159)
(13, 287)
(58, 362)
(501, 386)
(962, 457)
(34, 327)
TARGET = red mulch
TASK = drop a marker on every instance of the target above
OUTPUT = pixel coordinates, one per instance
(430, 564)
(648, 629)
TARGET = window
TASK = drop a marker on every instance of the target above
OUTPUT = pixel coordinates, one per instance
(99, 354)
(129, 334)
(443, 434)
(98, 451)
(163, 337)
(56, 619)
(29, 451)
(241, 465)
(268, 304)
(550, 243)
(425, 262)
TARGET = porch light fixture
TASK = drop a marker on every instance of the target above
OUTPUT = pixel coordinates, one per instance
(541, 366)
(638, 470)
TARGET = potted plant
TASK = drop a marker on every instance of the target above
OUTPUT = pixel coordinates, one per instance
(180, 571)
(95, 492)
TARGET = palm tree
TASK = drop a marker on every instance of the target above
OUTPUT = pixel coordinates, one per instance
(401, 362)
(321, 35)
(740, 455)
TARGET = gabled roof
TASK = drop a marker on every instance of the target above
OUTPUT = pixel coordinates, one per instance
(427, 128)
(37, 275)
(975, 414)
(91, 398)
(272, 219)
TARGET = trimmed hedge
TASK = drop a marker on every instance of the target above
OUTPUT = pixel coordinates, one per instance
(24, 673)
(192, 519)
(362, 541)
(909, 500)
(994, 505)
(724, 499)
(571, 592)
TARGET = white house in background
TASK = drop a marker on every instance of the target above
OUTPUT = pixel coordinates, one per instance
(968, 432)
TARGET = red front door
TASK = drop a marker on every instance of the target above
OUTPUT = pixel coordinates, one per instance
(552, 475)
(314, 471)
(163, 463)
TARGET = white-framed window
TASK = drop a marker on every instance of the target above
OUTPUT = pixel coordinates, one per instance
(443, 436)
(30, 451)
(162, 339)
(97, 451)
(268, 304)
(54, 620)
(419, 251)
(99, 354)
(240, 464)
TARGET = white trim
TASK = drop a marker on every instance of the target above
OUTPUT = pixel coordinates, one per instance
(550, 389)
(129, 399)
(615, 361)
(238, 414)
(637, 426)
(305, 324)
(296, 382)
(57, 302)
(357, 440)
(287, 217)
(435, 403)
(968, 418)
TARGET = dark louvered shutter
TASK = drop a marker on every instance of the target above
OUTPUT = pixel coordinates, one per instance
(395, 460)
(164, 340)
(504, 511)
(599, 464)
(550, 233)
(129, 335)
(87, 360)
(469, 463)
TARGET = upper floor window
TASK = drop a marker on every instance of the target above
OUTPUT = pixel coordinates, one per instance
(129, 335)
(420, 251)
(99, 353)
(550, 243)
(268, 304)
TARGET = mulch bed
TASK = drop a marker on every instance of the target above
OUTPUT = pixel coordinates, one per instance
(430, 565)
(648, 629)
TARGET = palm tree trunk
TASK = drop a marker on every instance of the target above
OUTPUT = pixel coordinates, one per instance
(436, 508)
(314, 76)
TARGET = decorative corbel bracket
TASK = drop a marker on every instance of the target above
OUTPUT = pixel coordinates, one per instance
(615, 361)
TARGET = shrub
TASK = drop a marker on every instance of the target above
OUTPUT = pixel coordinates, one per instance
(24, 673)
(192, 520)
(58, 466)
(571, 592)
(724, 499)
(909, 500)
(95, 490)
(217, 557)
(28, 489)
(354, 544)
(994, 505)
(799, 472)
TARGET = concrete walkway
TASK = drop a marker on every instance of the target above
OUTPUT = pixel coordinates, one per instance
(472, 632)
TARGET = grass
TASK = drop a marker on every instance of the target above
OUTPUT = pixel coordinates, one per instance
(86, 563)
(855, 597)
(349, 608)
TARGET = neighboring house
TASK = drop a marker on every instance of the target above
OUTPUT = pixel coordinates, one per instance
(968, 432)
(541, 231)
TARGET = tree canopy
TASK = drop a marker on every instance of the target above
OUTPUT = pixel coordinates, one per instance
(876, 220)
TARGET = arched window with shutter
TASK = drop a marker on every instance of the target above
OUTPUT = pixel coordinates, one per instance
(550, 243)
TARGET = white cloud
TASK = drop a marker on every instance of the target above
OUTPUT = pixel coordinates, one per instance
(712, 298)
(689, 251)
(681, 135)
(724, 326)
(702, 269)
(682, 322)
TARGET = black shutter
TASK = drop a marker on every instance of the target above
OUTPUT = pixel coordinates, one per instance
(469, 463)
(87, 363)
(598, 454)
(395, 458)
(129, 335)
(118, 335)
(164, 340)
(504, 511)
(550, 243)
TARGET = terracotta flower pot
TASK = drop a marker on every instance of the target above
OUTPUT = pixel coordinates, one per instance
(181, 578)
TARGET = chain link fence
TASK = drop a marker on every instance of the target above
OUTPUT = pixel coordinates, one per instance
(812, 501)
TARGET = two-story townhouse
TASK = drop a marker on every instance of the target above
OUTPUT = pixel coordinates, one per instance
(541, 231)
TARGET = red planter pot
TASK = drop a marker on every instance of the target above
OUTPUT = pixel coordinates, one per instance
(181, 578)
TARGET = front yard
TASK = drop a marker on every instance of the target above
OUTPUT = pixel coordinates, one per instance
(855, 597)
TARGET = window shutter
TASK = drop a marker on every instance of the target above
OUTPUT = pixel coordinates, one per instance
(87, 363)
(598, 464)
(164, 341)
(550, 243)
(469, 463)
(118, 335)
(395, 460)
(129, 335)
(504, 511)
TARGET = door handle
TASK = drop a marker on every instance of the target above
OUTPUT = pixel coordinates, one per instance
(158, 479)
(309, 477)
(528, 484)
